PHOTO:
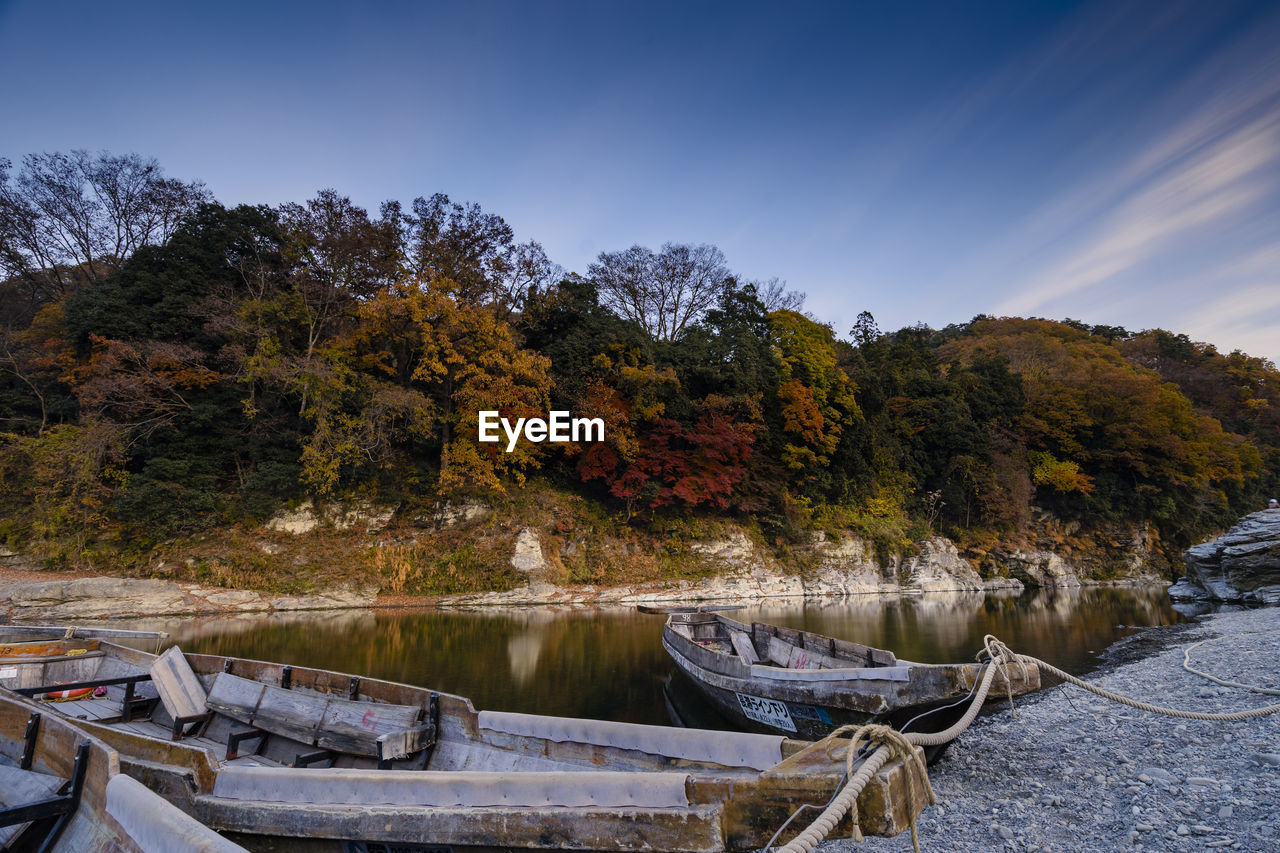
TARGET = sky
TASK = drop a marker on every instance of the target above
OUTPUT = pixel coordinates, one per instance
(1116, 163)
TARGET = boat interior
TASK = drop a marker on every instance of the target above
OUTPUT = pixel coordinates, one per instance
(772, 645)
(243, 713)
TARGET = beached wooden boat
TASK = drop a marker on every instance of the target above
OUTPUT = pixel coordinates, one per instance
(61, 790)
(773, 679)
(287, 757)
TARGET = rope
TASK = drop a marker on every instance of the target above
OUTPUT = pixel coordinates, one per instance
(901, 745)
(1158, 709)
(1186, 664)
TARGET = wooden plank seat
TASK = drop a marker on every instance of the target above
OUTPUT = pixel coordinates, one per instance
(792, 649)
(181, 692)
(370, 729)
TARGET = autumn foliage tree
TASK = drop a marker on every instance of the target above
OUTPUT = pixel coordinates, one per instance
(167, 363)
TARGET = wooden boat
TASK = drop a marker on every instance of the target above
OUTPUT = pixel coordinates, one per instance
(61, 790)
(773, 679)
(287, 757)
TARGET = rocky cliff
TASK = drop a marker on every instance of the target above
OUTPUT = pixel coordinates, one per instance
(110, 598)
(1241, 566)
(474, 554)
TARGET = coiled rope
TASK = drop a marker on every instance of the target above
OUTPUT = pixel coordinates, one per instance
(895, 744)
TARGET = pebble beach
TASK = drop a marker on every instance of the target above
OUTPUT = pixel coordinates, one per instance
(1075, 772)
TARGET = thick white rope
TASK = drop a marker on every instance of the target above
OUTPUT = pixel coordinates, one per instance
(899, 744)
(1186, 664)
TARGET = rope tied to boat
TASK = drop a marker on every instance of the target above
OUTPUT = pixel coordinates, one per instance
(997, 654)
(997, 657)
(899, 747)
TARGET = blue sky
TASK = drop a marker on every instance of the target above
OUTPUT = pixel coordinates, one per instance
(1116, 163)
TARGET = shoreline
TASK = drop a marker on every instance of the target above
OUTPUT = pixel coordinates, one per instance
(29, 595)
(1076, 772)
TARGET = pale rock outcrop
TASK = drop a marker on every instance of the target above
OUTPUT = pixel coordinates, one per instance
(939, 566)
(845, 567)
(1040, 568)
(1241, 566)
(363, 514)
(96, 598)
(341, 516)
(302, 519)
(108, 598)
(528, 557)
(734, 551)
(11, 559)
(449, 514)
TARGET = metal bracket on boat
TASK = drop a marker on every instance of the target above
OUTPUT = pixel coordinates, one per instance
(286, 677)
(419, 740)
(353, 689)
(29, 748)
(433, 720)
(61, 806)
(132, 703)
(226, 664)
(180, 725)
(234, 739)
(306, 759)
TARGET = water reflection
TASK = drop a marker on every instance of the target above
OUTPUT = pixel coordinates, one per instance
(609, 663)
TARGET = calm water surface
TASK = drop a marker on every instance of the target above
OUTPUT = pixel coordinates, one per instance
(609, 663)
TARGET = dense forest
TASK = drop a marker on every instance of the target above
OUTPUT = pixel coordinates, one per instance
(169, 364)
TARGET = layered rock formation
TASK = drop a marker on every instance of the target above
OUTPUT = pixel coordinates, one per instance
(1242, 566)
(104, 598)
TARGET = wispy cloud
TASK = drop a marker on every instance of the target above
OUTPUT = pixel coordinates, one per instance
(1243, 310)
(1188, 184)
(1194, 193)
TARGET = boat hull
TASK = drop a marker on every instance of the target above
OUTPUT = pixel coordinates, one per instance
(809, 703)
(735, 699)
(720, 790)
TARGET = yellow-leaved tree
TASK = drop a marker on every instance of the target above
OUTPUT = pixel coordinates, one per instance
(469, 361)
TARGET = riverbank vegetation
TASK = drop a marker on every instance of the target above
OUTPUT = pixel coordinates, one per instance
(170, 365)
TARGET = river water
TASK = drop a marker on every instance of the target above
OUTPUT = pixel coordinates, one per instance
(609, 663)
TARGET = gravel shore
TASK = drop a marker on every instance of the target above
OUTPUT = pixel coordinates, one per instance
(1075, 772)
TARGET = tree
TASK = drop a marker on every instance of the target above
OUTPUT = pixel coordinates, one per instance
(475, 250)
(70, 218)
(774, 296)
(815, 395)
(469, 361)
(336, 256)
(40, 359)
(1110, 439)
(663, 293)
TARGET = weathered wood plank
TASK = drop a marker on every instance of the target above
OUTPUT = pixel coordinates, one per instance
(693, 829)
(179, 689)
(18, 787)
(235, 697)
(404, 743)
(779, 652)
(743, 646)
(290, 713)
(352, 726)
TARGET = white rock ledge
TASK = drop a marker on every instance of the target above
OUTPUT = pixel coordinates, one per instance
(108, 598)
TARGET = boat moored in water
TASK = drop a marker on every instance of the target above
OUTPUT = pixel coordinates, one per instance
(289, 757)
(774, 679)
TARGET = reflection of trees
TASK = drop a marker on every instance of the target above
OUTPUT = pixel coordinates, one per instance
(1064, 626)
(609, 663)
